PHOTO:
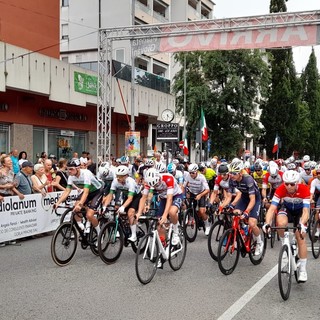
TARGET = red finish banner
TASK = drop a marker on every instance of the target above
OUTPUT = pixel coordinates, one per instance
(263, 37)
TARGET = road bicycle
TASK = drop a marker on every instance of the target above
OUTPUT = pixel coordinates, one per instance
(312, 219)
(191, 221)
(153, 252)
(222, 223)
(65, 239)
(114, 236)
(315, 240)
(287, 261)
(235, 241)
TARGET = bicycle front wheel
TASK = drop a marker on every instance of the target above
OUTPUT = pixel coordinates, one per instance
(93, 239)
(64, 244)
(142, 230)
(147, 257)
(190, 225)
(228, 251)
(315, 241)
(284, 272)
(216, 232)
(110, 242)
(66, 216)
(312, 222)
(177, 253)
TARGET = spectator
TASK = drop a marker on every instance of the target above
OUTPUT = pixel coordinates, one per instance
(62, 175)
(15, 161)
(23, 180)
(75, 155)
(39, 179)
(43, 157)
(22, 157)
(50, 174)
(91, 166)
(53, 158)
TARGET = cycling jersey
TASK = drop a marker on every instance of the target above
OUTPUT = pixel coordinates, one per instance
(315, 186)
(128, 188)
(306, 177)
(247, 186)
(209, 174)
(179, 177)
(196, 185)
(86, 179)
(167, 185)
(296, 201)
(274, 183)
(259, 177)
(220, 183)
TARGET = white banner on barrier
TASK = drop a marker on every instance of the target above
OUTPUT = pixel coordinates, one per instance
(30, 216)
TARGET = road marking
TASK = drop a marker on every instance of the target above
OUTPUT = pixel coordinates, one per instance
(241, 302)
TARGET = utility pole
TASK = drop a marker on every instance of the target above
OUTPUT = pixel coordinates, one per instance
(132, 125)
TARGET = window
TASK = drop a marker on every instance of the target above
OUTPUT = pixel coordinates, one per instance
(4, 138)
(65, 31)
(65, 3)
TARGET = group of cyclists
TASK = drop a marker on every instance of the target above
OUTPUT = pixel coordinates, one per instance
(286, 187)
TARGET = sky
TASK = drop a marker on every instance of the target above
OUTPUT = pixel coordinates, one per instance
(241, 8)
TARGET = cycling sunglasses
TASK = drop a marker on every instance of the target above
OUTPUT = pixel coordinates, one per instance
(290, 184)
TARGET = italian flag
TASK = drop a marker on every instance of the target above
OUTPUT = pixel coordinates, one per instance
(185, 146)
(204, 129)
(275, 146)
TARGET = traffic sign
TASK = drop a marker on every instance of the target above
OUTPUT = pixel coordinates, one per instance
(181, 144)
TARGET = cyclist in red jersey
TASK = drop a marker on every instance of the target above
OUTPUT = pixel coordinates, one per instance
(170, 196)
(295, 199)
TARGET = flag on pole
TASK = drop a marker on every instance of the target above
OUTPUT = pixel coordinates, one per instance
(204, 129)
(185, 146)
(275, 146)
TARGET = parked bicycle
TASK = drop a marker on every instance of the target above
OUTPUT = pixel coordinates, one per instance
(115, 234)
(238, 239)
(152, 252)
(65, 239)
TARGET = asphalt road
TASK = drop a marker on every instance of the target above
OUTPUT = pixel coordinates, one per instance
(33, 287)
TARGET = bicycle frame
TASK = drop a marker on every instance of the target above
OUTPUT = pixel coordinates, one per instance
(236, 226)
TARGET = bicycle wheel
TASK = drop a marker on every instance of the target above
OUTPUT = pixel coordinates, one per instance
(190, 225)
(228, 252)
(66, 216)
(253, 258)
(64, 244)
(312, 221)
(177, 253)
(93, 239)
(284, 272)
(142, 230)
(147, 257)
(110, 242)
(216, 231)
(315, 241)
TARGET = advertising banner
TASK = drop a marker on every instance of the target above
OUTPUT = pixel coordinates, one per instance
(85, 83)
(132, 140)
(30, 216)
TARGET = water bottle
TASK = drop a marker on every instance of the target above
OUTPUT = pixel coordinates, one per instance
(245, 229)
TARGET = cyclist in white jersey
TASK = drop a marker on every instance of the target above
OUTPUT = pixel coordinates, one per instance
(91, 195)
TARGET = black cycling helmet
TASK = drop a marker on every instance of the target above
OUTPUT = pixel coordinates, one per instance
(201, 166)
(74, 162)
(257, 166)
(223, 168)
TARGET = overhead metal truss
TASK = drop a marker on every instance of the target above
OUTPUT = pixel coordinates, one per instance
(107, 36)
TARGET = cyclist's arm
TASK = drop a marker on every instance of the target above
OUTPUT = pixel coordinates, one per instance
(305, 215)
(129, 200)
(142, 203)
(167, 208)
(270, 213)
(64, 195)
(108, 198)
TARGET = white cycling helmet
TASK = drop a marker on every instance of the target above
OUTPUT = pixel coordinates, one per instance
(160, 167)
(122, 171)
(291, 176)
(236, 166)
(291, 166)
(273, 171)
(306, 158)
(104, 169)
(247, 165)
(149, 163)
(152, 177)
(193, 167)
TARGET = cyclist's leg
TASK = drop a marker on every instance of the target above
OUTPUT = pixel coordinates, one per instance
(282, 221)
(173, 214)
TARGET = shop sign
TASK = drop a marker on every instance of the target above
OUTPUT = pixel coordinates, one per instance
(68, 133)
(85, 83)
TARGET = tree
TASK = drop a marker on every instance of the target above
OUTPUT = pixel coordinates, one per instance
(229, 86)
(310, 81)
(280, 112)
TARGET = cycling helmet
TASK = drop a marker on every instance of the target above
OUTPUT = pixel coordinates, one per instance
(171, 168)
(223, 160)
(291, 176)
(257, 166)
(236, 167)
(307, 166)
(201, 166)
(223, 168)
(306, 158)
(291, 166)
(313, 164)
(160, 167)
(74, 162)
(235, 160)
(214, 161)
(193, 167)
(180, 167)
(247, 164)
(124, 160)
(104, 169)
(152, 177)
(273, 171)
(122, 171)
(149, 163)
